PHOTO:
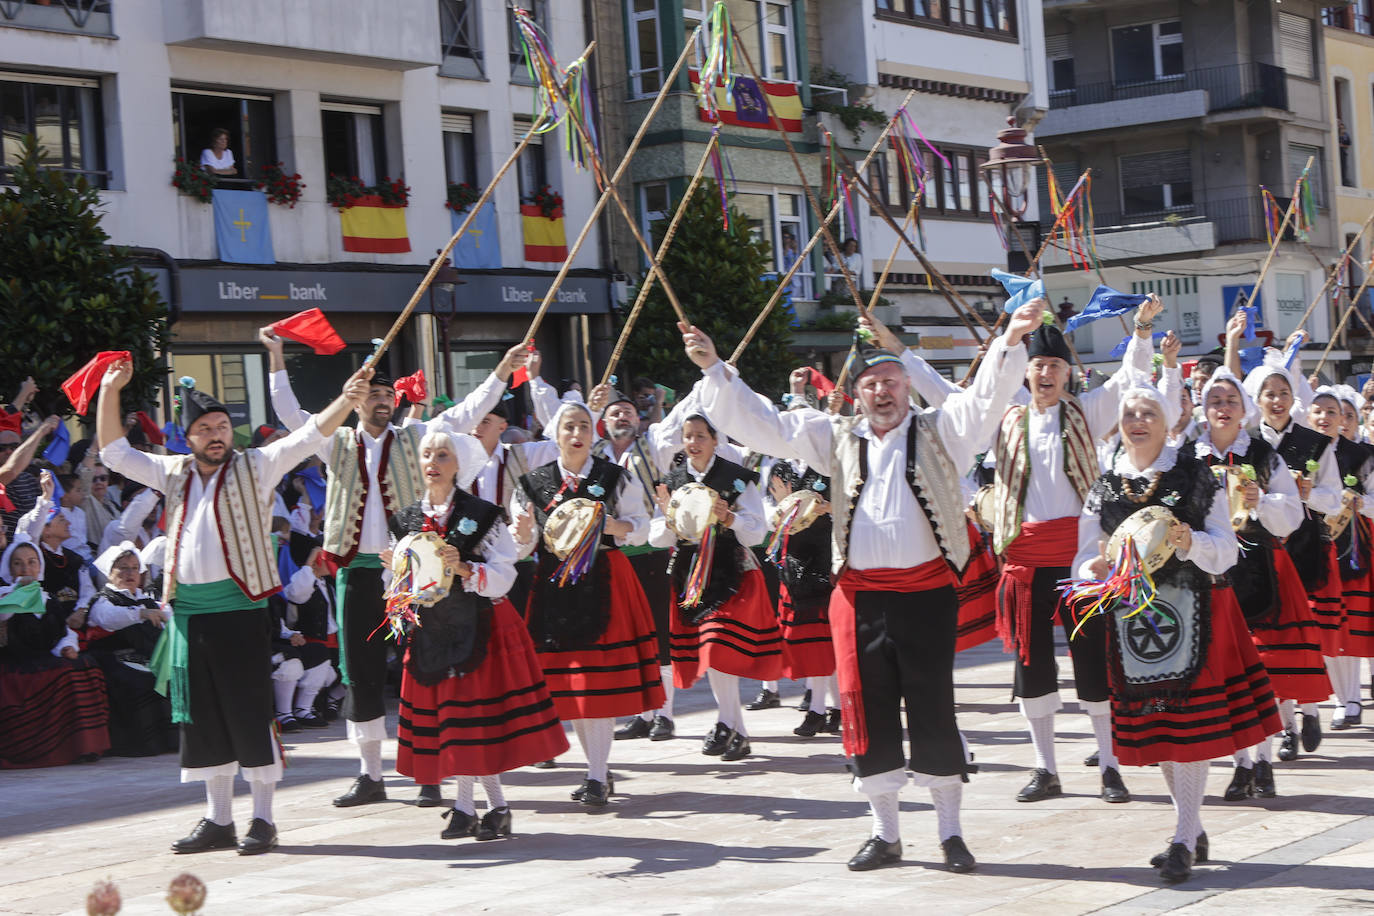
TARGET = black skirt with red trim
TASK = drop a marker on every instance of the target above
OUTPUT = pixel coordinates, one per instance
(52, 712)
(1229, 706)
(741, 638)
(977, 594)
(493, 719)
(1290, 647)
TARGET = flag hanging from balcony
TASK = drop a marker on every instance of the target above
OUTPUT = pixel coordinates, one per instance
(375, 227)
(480, 246)
(545, 239)
(242, 231)
(743, 103)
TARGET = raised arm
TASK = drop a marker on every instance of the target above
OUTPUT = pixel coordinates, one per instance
(276, 458)
(284, 401)
(115, 451)
(464, 416)
(22, 457)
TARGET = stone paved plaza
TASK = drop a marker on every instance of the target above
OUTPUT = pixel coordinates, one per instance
(690, 834)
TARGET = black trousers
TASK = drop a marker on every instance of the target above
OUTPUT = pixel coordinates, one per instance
(1088, 650)
(905, 647)
(363, 645)
(651, 568)
(229, 681)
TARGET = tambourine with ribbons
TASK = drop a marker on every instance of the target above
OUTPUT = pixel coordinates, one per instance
(419, 578)
(571, 533)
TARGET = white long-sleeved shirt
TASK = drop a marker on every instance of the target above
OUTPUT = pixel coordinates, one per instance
(628, 508)
(750, 524)
(493, 577)
(1326, 485)
(1280, 507)
(1214, 549)
(888, 528)
(129, 525)
(200, 557)
(109, 616)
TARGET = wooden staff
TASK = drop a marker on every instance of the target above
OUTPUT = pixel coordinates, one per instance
(1335, 271)
(442, 257)
(1354, 300)
(1283, 226)
(815, 237)
(648, 282)
(609, 191)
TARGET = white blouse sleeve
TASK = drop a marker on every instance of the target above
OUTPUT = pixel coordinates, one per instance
(1280, 509)
(750, 524)
(630, 508)
(109, 616)
(494, 577)
(1215, 549)
(1326, 486)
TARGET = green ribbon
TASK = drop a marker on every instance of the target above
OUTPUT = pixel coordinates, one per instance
(171, 657)
(359, 561)
(641, 549)
(26, 599)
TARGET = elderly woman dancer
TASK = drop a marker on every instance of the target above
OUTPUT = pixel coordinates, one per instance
(473, 699)
(1187, 683)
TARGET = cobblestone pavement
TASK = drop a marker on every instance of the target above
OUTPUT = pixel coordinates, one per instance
(690, 834)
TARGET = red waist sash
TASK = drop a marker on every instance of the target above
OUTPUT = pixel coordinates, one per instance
(1039, 545)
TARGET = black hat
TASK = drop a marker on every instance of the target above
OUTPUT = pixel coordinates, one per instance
(864, 356)
(618, 397)
(385, 381)
(1214, 357)
(1048, 340)
(196, 404)
(499, 410)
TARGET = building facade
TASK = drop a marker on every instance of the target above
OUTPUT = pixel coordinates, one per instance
(432, 93)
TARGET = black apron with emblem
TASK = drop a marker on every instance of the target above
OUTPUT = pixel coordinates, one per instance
(1254, 579)
(728, 562)
(805, 566)
(1308, 541)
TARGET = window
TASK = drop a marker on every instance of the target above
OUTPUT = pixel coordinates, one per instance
(63, 113)
(960, 189)
(1344, 135)
(790, 234)
(994, 18)
(645, 76)
(1295, 44)
(1156, 182)
(1297, 157)
(764, 28)
(531, 172)
(460, 150)
(518, 70)
(460, 40)
(353, 143)
(1143, 53)
(197, 113)
(1059, 57)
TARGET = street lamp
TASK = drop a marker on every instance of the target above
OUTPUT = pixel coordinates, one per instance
(447, 281)
(1010, 169)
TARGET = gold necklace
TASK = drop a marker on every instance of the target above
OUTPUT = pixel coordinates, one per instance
(1143, 497)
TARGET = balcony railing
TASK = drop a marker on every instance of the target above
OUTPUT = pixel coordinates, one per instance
(1231, 87)
(90, 17)
(1236, 218)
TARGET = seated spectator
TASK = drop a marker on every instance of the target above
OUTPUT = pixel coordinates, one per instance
(53, 705)
(74, 494)
(21, 484)
(218, 158)
(307, 647)
(138, 520)
(122, 630)
(152, 556)
(65, 578)
(102, 504)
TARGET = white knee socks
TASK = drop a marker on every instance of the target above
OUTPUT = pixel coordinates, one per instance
(665, 674)
(884, 808)
(463, 801)
(1100, 715)
(595, 736)
(284, 691)
(1042, 739)
(1265, 750)
(947, 800)
(1242, 758)
(770, 685)
(370, 754)
(219, 799)
(817, 686)
(262, 799)
(725, 688)
(491, 785)
(1187, 787)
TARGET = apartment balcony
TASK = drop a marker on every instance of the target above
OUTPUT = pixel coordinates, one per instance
(1193, 95)
(82, 17)
(386, 34)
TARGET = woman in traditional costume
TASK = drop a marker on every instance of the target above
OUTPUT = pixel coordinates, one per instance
(473, 699)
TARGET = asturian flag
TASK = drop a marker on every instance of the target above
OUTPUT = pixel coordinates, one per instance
(480, 246)
(241, 227)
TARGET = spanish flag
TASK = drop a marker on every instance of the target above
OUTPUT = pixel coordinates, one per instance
(743, 104)
(375, 227)
(545, 239)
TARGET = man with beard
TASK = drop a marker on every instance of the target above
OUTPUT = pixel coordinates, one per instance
(219, 572)
(374, 471)
(898, 530)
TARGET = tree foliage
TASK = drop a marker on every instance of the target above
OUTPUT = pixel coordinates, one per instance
(66, 293)
(723, 278)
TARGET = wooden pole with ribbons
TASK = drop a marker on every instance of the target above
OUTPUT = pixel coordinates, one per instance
(1335, 272)
(1354, 301)
(444, 252)
(668, 234)
(815, 237)
(610, 192)
(1283, 226)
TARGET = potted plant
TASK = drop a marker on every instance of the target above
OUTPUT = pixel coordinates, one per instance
(280, 187)
(549, 202)
(343, 191)
(193, 181)
(461, 195)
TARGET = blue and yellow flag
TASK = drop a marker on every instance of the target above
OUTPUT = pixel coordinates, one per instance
(241, 227)
(480, 246)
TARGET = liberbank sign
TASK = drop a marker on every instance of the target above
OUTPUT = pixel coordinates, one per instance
(209, 289)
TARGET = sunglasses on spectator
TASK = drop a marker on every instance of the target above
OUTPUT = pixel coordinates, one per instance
(8, 446)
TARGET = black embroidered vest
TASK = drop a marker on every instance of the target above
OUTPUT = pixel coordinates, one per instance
(135, 642)
(728, 564)
(1352, 544)
(1187, 490)
(1307, 544)
(1254, 579)
(805, 566)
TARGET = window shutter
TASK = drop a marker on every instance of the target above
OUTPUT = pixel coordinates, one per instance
(1056, 46)
(1297, 158)
(522, 127)
(1155, 169)
(457, 123)
(1065, 173)
(1295, 44)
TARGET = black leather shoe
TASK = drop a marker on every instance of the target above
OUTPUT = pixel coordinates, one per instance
(207, 835)
(544, 765)
(429, 797)
(331, 709)
(1178, 864)
(875, 853)
(1264, 779)
(957, 856)
(805, 703)
(594, 794)
(1043, 785)
(662, 729)
(1201, 848)
(1311, 733)
(812, 723)
(767, 699)
(1091, 760)
(1355, 717)
(495, 823)
(739, 748)
(1288, 745)
(576, 794)
(1113, 789)
(1242, 785)
(460, 824)
(310, 720)
(635, 728)
(363, 791)
(287, 724)
(719, 739)
(832, 722)
(261, 837)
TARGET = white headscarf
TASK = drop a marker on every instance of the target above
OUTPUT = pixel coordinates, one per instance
(572, 401)
(1226, 375)
(18, 540)
(1342, 393)
(471, 454)
(1141, 390)
(1273, 365)
(106, 561)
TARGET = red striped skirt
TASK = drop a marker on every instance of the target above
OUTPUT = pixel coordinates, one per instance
(52, 716)
(618, 676)
(1291, 647)
(742, 638)
(807, 649)
(977, 595)
(493, 719)
(1357, 628)
(1229, 706)
(1327, 606)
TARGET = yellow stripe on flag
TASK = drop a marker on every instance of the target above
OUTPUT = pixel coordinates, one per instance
(374, 229)
(545, 239)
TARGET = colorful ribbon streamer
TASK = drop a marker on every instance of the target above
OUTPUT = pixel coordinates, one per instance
(551, 109)
(579, 561)
(700, 574)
